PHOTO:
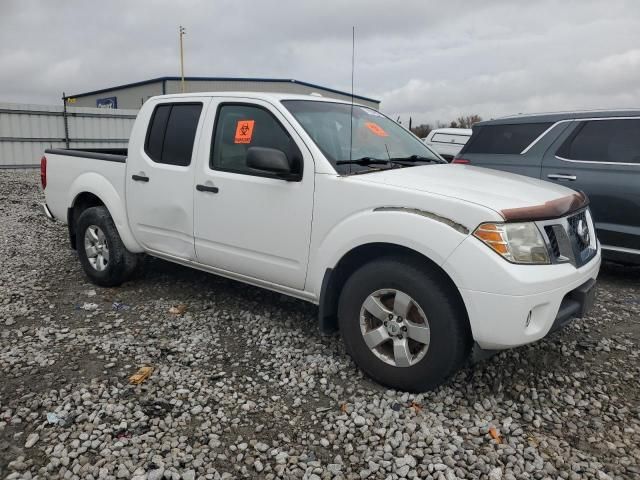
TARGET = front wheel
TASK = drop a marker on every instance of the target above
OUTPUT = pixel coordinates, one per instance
(403, 325)
(103, 256)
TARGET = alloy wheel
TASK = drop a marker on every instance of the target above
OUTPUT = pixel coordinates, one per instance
(96, 247)
(395, 328)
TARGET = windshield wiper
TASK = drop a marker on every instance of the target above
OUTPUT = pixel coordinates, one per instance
(366, 161)
(391, 163)
(414, 158)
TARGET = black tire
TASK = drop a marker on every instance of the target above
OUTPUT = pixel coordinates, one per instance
(121, 264)
(450, 342)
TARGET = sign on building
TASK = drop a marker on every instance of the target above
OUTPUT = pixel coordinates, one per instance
(107, 102)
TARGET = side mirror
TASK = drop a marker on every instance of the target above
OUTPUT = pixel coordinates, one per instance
(270, 160)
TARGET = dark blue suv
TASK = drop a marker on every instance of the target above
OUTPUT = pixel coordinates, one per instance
(595, 152)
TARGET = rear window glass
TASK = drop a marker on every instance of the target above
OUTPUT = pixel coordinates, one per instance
(181, 133)
(504, 139)
(616, 141)
(172, 131)
(450, 138)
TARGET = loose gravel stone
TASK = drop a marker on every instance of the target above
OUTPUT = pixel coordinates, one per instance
(359, 421)
(32, 439)
(156, 474)
(189, 475)
(243, 386)
(261, 447)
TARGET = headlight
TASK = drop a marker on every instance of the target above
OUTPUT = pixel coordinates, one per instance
(516, 242)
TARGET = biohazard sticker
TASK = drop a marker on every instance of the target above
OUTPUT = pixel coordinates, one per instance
(244, 131)
(376, 129)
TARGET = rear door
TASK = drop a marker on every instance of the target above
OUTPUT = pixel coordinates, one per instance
(160, 176)
(249, 223)
(602, 158)
(505, 147)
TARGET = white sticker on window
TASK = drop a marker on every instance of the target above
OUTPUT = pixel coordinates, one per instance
(373, 113)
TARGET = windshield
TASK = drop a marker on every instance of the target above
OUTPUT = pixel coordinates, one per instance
(377, 142)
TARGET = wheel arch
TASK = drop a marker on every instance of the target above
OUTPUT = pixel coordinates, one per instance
(92, 190)
(335, 278)
(82, 201)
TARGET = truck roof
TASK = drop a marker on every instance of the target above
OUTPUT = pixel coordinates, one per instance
(453, 131)
(267, 96)
(557, 116)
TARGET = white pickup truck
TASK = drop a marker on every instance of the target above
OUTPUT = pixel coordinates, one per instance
(419, 264)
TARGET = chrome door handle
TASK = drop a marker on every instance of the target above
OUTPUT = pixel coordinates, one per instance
(560, 176)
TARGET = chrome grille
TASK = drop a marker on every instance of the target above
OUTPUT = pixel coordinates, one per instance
(553, 241)
(574, 222)
(570, 239)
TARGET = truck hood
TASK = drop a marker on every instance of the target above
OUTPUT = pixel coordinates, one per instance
(515, 197)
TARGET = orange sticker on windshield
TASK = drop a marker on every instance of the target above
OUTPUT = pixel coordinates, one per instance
(376, 129)
(244, 131)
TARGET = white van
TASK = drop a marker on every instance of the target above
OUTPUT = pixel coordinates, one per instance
(447, 142)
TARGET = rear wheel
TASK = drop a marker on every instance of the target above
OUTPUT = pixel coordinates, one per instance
(103, 256)
(403, 325)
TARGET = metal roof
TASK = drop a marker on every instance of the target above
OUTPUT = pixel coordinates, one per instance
(557, 116)
(219, 79)
(257, 95)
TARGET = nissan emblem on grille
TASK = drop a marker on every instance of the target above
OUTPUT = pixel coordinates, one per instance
(583, 231)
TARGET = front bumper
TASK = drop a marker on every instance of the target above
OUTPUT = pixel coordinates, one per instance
(575, 304)
(533, 300)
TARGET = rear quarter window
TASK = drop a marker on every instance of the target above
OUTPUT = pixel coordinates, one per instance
(504, 139)
(611, 141)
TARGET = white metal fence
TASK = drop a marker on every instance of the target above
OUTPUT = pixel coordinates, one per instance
(27, 130)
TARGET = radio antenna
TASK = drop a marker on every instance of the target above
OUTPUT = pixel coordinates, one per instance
(353, 56)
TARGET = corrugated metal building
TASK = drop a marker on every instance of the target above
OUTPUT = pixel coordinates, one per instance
(27, 130)
(133, 95)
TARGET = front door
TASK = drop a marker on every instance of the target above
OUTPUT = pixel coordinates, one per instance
(602, 158)
(160, 175)
(249, 222)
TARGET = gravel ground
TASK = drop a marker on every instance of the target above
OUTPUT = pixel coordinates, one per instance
(243, 386)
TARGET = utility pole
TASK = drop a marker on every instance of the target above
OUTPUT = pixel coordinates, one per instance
(183, 32)
(65, 119)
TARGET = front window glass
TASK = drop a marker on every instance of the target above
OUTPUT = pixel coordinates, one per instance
(239, 127)
(367, 134)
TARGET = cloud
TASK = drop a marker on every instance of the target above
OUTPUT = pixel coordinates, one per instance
(425, 59)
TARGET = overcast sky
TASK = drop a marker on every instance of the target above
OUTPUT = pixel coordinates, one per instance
(431, 60)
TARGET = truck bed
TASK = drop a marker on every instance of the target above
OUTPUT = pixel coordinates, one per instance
(71, 172)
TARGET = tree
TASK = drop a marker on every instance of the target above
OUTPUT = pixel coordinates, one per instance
(466, 121)
(422, 130)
